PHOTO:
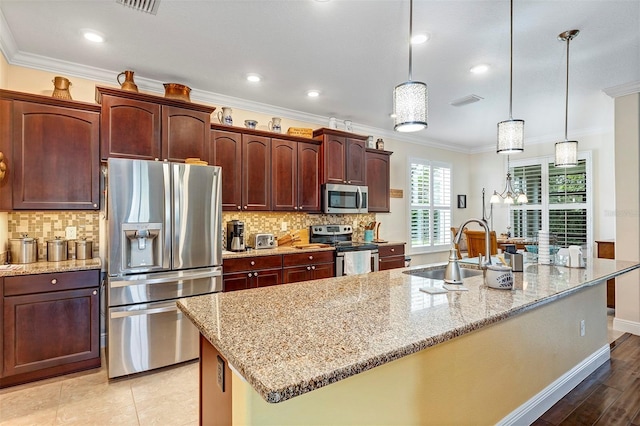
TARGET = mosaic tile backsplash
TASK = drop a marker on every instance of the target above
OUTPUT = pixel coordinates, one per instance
(47, 225)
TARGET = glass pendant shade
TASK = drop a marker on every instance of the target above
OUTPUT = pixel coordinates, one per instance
(522, 199)
(566, 154)
(495, 198)
(410, 106)
(510, 136)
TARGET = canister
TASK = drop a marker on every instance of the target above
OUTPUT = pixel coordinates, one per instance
(23, 250)
(56, 250)
(84, 249)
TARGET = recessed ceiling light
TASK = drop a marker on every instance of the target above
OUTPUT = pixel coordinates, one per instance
(479, 69)
(93, 36)
(254, 78)
(313, 93)
(419, 38)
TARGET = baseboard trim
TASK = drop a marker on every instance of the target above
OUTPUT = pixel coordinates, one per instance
(626, 326)
(531, 410)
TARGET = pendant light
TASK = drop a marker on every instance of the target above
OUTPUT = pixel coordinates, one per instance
(567, 151)
(410, 97)
(510, 132)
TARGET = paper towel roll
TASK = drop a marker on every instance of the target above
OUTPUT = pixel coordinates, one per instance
(543, 247)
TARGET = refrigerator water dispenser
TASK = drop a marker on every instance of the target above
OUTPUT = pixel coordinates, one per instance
(142, 245)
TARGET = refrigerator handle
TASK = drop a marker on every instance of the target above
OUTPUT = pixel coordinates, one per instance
(134, 313)
(173, 278)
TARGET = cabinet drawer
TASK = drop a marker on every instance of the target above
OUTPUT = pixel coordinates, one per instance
(308, 258)
(391, 250)
(251, 263)
(42, 283)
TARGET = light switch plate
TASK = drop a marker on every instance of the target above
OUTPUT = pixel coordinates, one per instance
(71, 233)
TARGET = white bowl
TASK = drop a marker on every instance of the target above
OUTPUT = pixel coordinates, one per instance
(498, 276)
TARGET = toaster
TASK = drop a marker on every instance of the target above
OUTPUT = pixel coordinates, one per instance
(263, 241)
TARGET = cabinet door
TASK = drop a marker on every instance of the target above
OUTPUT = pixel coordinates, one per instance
(56, 157)
(378, 181)
(296, 274)
(237, 281)
(130, 128)
(323, 270)
(47, 330)
(226, 151)
(308, 177)
(185, 133)
(256, 176)
(355, 162)
(267, 277)
(6, 190)
(284, 175)
(335, 154)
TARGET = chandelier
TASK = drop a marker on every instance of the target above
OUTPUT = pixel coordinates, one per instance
(410, 97)
(509, 195)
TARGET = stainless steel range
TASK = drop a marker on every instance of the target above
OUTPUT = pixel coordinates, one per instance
(164, 243)
(341, 237)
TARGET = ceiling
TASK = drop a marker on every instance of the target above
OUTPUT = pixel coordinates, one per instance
(354, 52)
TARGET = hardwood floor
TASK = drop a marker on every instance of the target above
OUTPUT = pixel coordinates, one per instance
(609, 396)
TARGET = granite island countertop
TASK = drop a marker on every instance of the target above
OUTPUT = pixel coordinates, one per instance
(291, 339)
(44, 267)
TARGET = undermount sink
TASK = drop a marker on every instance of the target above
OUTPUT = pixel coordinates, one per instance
(438, 274)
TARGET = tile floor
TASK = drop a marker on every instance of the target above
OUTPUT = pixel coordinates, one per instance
(168, 397)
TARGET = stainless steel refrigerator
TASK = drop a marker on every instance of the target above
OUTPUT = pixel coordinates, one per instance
(164, 222)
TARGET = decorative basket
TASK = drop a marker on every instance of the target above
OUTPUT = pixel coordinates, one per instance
(302, 132)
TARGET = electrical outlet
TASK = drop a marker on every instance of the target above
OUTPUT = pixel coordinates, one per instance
(284, 226)
(582, 329)
(71, 233)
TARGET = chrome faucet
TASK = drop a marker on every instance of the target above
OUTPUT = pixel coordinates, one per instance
(452, 274)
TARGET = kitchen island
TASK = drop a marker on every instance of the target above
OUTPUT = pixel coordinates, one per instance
(374, 349)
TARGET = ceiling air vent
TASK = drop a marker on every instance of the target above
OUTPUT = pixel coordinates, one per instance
(149, 6)
(466, 100)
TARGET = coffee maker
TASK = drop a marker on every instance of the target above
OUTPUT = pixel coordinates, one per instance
(235, 235)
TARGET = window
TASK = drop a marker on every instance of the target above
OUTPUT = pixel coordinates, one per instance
(559, 200)
(429, 204)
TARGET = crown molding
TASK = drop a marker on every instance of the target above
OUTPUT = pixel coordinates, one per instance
(8, 45)
(623, 89)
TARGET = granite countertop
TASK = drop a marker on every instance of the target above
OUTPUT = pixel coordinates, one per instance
(44, 267)
(270, 252)
(291, 339)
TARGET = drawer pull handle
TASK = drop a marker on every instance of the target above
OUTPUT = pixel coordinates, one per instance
(249, 275)
(95, 292)
(313, 267)
(310, 257)
(308, 268)
(393, 250)
(239, 208)
(253, 263)
(255, 274)
(54, 281)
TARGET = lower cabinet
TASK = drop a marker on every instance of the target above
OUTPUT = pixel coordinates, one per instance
(308, 266)
(251, 272)
(391, 256)
(51, 325)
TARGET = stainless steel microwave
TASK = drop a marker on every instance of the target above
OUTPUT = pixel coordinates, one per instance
(337, 198)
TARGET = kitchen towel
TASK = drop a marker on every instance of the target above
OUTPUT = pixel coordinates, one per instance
(357, 262)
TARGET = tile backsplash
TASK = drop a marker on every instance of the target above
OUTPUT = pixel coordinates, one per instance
(47, 225)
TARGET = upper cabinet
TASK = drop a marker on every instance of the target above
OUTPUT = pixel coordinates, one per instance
(51, 149)
(137, 125)
(343, 156)
(378, 176)
(295, 176)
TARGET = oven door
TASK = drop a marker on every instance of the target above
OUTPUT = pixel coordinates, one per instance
(340, 262)
(338, 198)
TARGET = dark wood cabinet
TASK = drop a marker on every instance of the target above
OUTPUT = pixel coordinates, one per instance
(378, 180)
(391, 256)
(295, 176)
(50, 325)
(6, 188)
(256, 173)
(307, 266)
(226, 151)
(137, 125)
(343, 156)
(52, 152)
(607, 250)
(251, 272)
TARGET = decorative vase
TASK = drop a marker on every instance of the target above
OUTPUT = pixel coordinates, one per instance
(61, 88)
(128, 83)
